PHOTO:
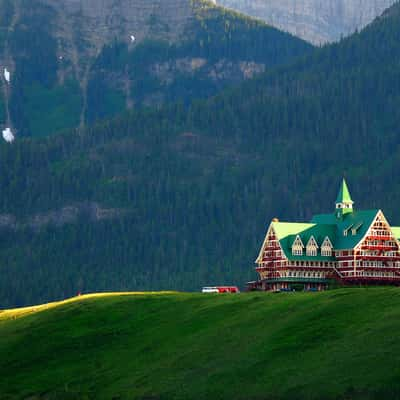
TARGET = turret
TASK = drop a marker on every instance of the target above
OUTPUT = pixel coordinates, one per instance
(344, 203)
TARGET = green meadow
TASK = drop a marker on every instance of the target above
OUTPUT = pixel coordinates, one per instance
(340, 344)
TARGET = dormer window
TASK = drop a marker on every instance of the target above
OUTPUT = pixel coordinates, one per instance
(297, 247)
(312, 247)
(356, 228)
(347, 230)
(326, 248)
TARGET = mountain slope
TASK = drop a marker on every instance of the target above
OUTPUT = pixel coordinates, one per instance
(334, 345)
(72, 62)
(179, 197)
(313, 20)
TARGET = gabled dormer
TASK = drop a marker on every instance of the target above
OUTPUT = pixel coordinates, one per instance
(326, 248)
(312, 247)
(297, 247)
(344, 203)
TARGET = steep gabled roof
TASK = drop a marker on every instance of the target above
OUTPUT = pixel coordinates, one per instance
(312, 240)
(287, 232)
(361, 219)
(338, 230)
(327, 241)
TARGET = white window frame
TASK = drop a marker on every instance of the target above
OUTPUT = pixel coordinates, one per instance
(326, 248)
(312, 247)
(297, 247)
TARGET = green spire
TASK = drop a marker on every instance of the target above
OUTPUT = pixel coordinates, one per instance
(344, 203)
(344, 194)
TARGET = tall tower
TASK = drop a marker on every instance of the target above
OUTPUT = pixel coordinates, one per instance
(344, 203)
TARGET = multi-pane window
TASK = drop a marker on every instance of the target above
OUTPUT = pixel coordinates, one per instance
(326, 248)
(312, 251)
(326, 252)
(297, 247)
(312, 247)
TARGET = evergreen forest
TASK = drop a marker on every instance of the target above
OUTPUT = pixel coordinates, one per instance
(180, 195)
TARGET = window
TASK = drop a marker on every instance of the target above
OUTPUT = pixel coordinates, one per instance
(297, 247)
(356, 228)
(346, 231)
(312, 247)
(312, 252)
(326, 248)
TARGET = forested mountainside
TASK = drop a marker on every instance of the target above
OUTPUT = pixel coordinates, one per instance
(72, 62)
(313, 20)
(181, 197)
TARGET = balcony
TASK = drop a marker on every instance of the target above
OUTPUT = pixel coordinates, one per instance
(375, 279)
(299, 279)
(379, 247)
(378, 258)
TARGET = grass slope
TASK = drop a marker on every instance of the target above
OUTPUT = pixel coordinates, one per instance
(342, 344)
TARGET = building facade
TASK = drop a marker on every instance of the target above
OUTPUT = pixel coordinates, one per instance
(347, 246)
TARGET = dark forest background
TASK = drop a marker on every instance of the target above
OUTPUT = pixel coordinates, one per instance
(190, 186)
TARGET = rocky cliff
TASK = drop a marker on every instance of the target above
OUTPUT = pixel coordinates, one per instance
(76, 61)
(317, 21)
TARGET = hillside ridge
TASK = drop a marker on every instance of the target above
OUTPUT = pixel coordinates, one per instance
(334, 345)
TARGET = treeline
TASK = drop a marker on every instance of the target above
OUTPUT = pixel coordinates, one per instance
(197, 185)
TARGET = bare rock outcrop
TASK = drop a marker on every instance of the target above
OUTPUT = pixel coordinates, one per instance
(317, 21)
(66, 215)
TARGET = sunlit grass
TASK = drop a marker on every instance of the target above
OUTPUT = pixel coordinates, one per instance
(23, 311)
(342, 344)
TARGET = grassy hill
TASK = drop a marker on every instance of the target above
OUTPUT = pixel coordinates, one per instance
(341, 344)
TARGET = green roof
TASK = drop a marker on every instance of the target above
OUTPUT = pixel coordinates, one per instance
(361, 220)
(396, 231)
(338, 230)
(344, 194)
(345, 231)
(287, 232)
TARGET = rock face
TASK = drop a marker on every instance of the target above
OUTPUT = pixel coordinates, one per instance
(69, 214)
(317, 21)
(74, 62)
(101, 21)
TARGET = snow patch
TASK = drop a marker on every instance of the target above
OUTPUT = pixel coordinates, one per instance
(7, 75)
(8, 136)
